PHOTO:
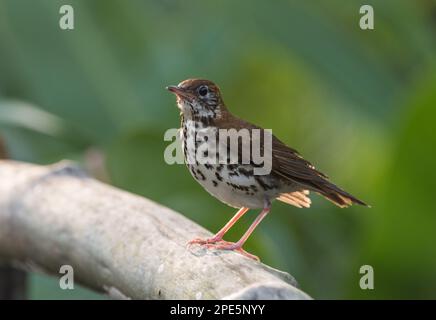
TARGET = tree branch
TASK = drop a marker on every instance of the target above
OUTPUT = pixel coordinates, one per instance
(13, 282)
(117, 242)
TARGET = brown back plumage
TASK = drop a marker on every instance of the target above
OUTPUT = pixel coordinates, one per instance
(289, 165)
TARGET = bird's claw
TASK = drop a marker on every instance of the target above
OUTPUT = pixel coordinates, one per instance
(201, 241)
(220, 244)
(231, 246)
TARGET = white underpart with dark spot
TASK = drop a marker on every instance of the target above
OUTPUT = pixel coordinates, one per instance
(234, 184)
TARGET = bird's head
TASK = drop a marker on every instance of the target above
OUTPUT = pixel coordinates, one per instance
(198, 98)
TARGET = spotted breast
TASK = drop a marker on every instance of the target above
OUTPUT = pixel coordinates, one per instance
(233, 184)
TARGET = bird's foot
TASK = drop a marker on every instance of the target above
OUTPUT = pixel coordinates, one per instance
(232, 246)
(218, 243)
(206, 241)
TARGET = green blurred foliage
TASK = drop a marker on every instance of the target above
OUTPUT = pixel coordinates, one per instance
(42, 287)
(359, 104)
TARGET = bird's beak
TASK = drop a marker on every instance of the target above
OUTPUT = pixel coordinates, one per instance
(181, 93)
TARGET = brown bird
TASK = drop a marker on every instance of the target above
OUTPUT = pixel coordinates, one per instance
(290, 179)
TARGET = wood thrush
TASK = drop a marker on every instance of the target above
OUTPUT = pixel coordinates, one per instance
(290, 178)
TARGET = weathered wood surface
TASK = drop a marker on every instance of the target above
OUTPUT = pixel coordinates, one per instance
(117, 242)
(13, 282)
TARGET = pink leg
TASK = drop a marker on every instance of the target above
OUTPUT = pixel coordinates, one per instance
(220, 234)
(237, 246)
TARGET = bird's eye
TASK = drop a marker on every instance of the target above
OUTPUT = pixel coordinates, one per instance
(203, 90)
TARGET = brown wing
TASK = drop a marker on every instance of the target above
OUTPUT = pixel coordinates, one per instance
(288, 160)
(289, 165)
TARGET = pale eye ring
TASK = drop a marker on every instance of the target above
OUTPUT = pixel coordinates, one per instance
(203, 91)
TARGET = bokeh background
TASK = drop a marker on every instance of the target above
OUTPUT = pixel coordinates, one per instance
(361, 105)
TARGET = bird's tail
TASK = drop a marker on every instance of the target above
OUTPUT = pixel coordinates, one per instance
(336, 195)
